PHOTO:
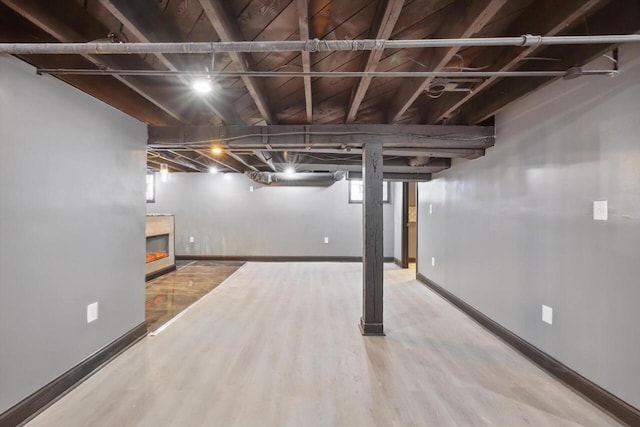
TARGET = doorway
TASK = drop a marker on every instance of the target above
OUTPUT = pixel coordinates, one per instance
(409, 224)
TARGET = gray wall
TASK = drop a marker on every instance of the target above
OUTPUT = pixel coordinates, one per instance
(226, 219)
(71, 227)
(515, 229)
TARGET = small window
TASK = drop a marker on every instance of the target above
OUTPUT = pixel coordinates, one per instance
(356, 191)
(151, 188)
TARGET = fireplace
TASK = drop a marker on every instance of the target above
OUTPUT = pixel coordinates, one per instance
(160, 240)
(157, 247)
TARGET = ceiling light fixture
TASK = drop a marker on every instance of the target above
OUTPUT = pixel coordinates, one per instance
(202, 86)
(213, 169)
(217, 150)
(290, 170)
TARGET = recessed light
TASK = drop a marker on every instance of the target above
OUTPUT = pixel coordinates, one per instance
(202, 86)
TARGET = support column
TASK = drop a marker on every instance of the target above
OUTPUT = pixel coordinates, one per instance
(373, 256)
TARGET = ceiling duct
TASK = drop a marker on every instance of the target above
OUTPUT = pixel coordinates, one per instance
(419, 161)
(314, 179)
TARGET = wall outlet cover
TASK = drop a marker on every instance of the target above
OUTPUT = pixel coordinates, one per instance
(192, 239)
(547, 314)
(600, 210)
(92, 312)
(326, 240)
(251, 188)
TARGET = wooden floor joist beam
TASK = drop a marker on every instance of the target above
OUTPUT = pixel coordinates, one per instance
(148, 24)
(224, 160)
(547, 18)
(463, 21)
(616, 17)
(174, 163)
(386, 24)
(303, 23)
(227, 29)
(432, 167)
(63, 32)
(396, 177)
(316, 136)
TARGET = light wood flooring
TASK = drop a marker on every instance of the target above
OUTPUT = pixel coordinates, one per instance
(278, 344)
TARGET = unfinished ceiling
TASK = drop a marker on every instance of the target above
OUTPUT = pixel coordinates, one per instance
(321, 121)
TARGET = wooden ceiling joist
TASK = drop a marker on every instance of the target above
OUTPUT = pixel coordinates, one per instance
(547, 18)
(620, 16)
(191, 157)
(227, 29)
(464, 20)
(147, 23)
(63, 32)
(260, 155)
(386, 24)
(303, 23)
(328, 120)
(446, 153)
(154, 163)
(224, 160)
(337, 166)
(395, 176)
(175, 163)
(321, 136)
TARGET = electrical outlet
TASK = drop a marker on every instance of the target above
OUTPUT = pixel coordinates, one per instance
(192, 239)
(92, 312)
(251, 188)
(430, 208)
(547, 314)
(326, 240)
(600, 210)
(433, 261)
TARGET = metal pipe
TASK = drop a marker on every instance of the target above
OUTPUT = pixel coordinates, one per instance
(314, 45)
(335, 74)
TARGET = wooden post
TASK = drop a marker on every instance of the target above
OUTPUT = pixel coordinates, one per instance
(373, 256)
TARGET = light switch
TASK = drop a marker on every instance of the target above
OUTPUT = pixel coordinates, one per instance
(326, 240)
(547, 314)
(251, 188)
(192, 239)
(92, 312)
(430, 208)
(433, 261)
(600, 210)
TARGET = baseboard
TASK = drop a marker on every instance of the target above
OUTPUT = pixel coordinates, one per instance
(41, 399)
(397, 262)
(273, 258)
(161, 272)
(601, 397)
(412, 260)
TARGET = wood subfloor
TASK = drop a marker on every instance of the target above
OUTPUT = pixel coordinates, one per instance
(278, 344)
